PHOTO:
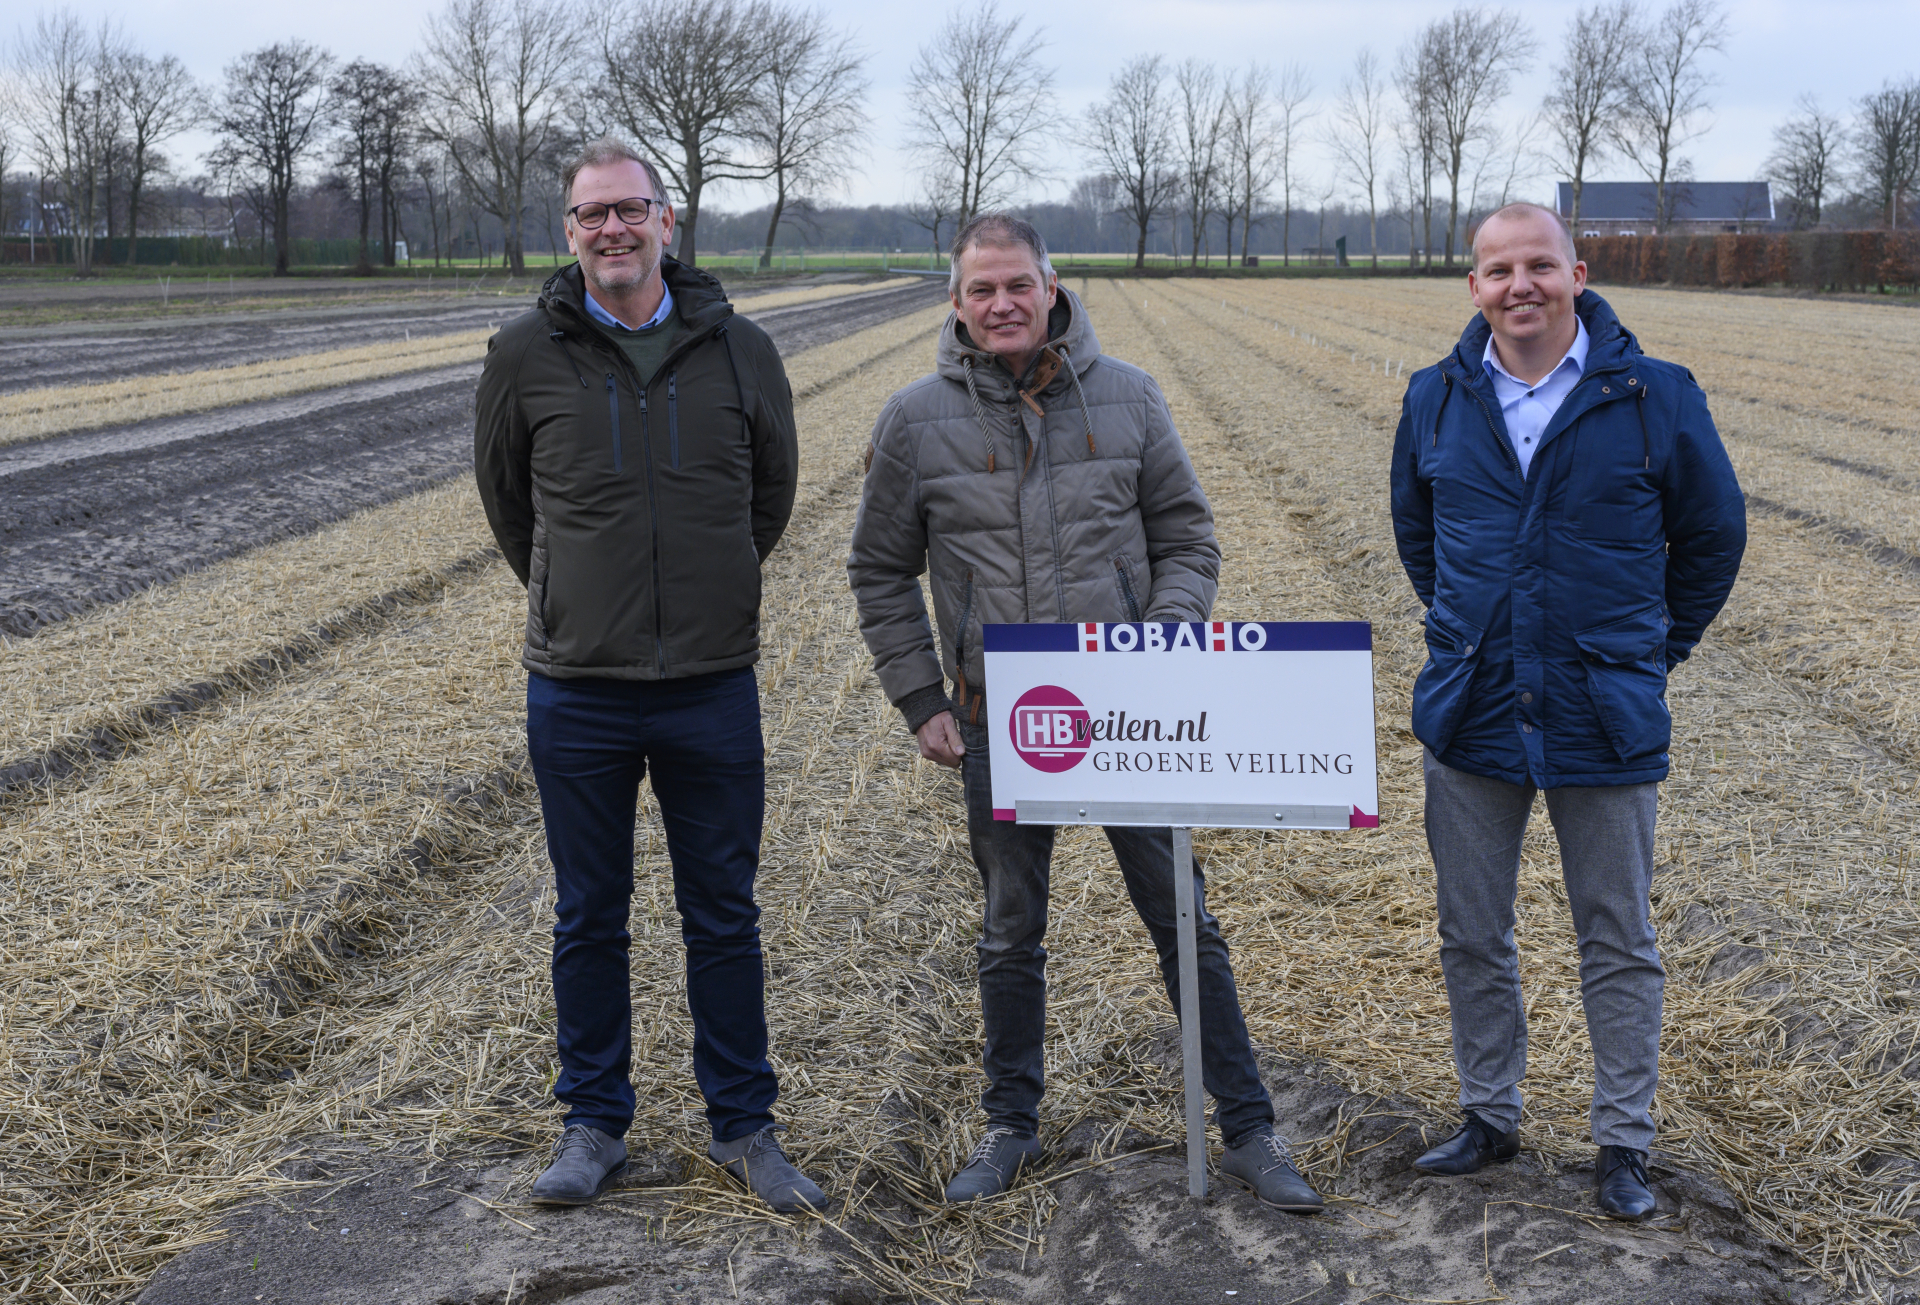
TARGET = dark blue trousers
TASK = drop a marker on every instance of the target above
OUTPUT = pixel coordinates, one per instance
(591, 742)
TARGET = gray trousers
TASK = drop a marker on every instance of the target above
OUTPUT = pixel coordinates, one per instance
(1474, 828)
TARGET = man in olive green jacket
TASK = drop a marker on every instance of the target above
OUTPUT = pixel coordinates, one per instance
(635, 449)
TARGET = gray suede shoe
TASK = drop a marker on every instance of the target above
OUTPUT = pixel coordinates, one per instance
(996, 1161)
(1261, 1165)
(585, 1163)
(758, 1161)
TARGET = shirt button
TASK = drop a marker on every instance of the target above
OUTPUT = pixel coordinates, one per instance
(1526, 729)
(1526, 697)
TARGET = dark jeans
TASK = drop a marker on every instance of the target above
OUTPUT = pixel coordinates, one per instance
(1015, 862)
(591, 742)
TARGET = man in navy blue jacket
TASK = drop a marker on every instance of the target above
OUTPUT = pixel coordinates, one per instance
(1567, 513)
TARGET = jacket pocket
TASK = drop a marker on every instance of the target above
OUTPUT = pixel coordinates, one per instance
(1441, 690)
(1129, 596)
(1626, 663)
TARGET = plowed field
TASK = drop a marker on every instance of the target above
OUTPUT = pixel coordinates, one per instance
(280, 897)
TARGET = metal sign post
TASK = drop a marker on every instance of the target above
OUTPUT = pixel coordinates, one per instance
(1178, 725)
(1183, 905)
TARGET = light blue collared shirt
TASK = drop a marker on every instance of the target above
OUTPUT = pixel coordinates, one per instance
(1528, 408)
(605, 318)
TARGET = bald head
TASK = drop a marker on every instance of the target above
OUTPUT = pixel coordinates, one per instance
(1538, 215)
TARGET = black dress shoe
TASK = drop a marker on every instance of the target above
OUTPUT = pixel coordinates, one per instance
(1470, 1150)
(1620, 1183)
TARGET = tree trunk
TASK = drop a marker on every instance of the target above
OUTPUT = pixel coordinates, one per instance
(133, 219)
(1140, 247)
(282, 238)
(779, 207)
(1373, 230)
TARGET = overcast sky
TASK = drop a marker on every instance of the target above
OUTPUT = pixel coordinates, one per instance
(1836, 49)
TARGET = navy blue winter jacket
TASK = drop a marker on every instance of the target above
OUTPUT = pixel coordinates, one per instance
(1558, 603)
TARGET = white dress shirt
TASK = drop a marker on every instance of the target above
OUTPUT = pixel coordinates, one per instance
(1528, 408)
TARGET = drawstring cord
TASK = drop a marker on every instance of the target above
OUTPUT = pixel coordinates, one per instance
(559, 339)
(1086, 417)
(980, 412)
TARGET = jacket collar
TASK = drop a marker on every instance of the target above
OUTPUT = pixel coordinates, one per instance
(1069, 337)
(1610, 345)
(697, 297)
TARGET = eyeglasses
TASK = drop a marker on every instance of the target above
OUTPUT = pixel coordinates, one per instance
(634, 212)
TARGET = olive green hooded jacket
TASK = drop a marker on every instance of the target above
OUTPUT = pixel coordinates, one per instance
(636, 511)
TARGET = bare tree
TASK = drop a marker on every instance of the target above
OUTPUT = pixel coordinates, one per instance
(60, 93)
(270, 119)
(1667, 95)
(1590, 87)
(1467, 57)
(158, 99)
(1131, 136)
(1419, 131)
(1288, 94)
(1358, 136)
(1805, 162)
(981, 105)
(937, 204)
(684, 78)
(362, 102)
(809, 116)
(1202, 125)
(491, 75)
(1886, 145)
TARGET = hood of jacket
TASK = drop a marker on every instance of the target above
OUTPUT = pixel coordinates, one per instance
(698, 297)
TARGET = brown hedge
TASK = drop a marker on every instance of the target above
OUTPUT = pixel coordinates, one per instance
(1813, 260)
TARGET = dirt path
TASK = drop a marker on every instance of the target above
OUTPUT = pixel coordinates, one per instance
(92, 517)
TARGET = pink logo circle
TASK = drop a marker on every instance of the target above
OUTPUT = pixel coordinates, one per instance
(1051, 729)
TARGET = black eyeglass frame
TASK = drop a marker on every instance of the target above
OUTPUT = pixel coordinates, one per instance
(650, 204)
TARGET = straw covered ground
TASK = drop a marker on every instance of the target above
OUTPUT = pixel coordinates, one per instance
(309, 913)
(39, 413)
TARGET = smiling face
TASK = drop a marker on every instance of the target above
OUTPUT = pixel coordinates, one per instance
(618, 258)
(1004, 300)
(1524, 282)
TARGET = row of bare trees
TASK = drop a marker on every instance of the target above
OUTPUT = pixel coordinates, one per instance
(1203, 142)
(93, 114)
(1817, 154)
(499, 92)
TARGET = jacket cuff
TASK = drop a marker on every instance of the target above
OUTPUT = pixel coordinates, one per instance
(922, 705)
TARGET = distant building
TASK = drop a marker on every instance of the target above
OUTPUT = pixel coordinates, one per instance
(1626, 208)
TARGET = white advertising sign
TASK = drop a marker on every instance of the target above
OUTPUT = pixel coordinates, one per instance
(1214, 724)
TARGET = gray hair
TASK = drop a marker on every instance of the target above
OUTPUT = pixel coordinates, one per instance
(1517, 209)
(598, 154)
(1002, 231)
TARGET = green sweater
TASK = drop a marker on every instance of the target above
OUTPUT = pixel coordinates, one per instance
(647, 348)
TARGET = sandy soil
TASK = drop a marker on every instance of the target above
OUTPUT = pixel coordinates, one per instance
(1126, 1233)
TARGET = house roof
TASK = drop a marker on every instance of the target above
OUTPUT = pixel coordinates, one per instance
(1693, 201)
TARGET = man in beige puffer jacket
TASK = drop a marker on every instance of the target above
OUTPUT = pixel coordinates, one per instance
(1034, 479)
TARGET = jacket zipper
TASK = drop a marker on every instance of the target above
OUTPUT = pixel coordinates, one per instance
(653, 526)
(613, 418)
(673, 420)
(1126, 588)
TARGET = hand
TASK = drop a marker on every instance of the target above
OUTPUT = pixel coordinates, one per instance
(940, 741)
